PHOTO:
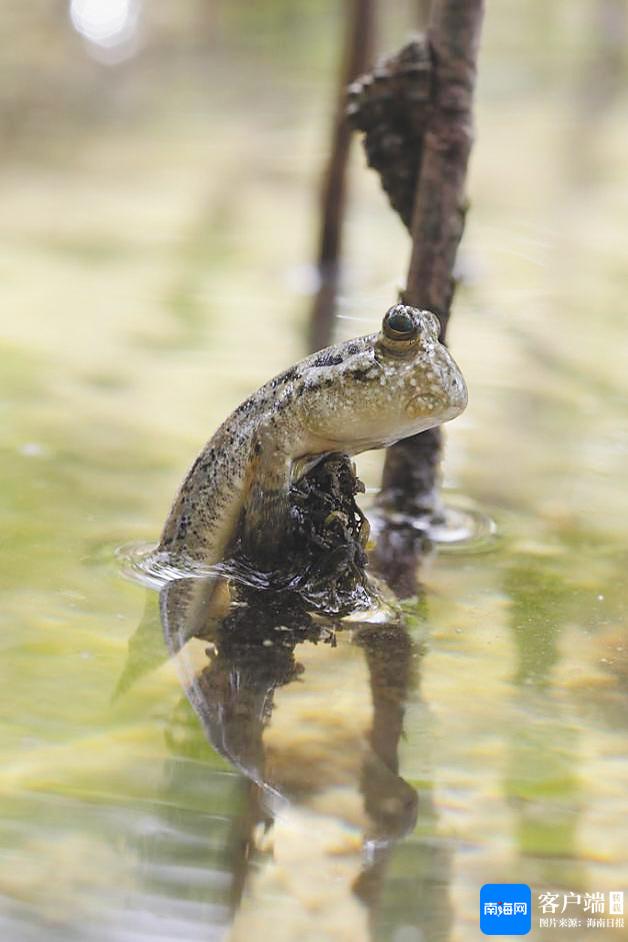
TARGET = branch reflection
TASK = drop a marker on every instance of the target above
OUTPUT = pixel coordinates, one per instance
(311, 712)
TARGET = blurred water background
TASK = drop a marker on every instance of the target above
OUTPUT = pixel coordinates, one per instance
(159, 183)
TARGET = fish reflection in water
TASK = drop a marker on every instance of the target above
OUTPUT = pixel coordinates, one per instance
(311, 711)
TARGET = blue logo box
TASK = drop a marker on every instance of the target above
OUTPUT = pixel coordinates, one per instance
(505, 909)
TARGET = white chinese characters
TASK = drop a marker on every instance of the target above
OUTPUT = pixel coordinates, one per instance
(552, 903)
(505, 909)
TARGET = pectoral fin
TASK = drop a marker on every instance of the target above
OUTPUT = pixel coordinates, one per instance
(190, 608)
(266, 526)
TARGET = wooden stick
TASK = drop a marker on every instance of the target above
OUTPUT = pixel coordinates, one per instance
(409, 492)
(357, 58)
(410, 478)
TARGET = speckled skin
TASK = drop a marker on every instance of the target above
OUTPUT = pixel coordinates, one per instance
(363, 394)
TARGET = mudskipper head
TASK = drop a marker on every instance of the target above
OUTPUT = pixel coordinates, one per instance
(420, 372)
(383, 387)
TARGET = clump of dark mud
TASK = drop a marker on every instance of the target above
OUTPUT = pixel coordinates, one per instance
(331, 532)
(325, 548)
(391, 106)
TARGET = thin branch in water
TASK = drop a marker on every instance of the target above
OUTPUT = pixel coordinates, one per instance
(357, 58)
(437, 155)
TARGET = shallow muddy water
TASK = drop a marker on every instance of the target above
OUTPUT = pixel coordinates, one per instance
(353, 782)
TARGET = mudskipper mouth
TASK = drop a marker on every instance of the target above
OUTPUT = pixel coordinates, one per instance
(458, 395)
(437, 409)
(455, 394)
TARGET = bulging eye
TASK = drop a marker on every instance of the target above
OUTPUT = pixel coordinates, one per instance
(401, 323)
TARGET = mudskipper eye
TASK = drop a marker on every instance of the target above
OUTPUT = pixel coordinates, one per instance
(401, 323)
